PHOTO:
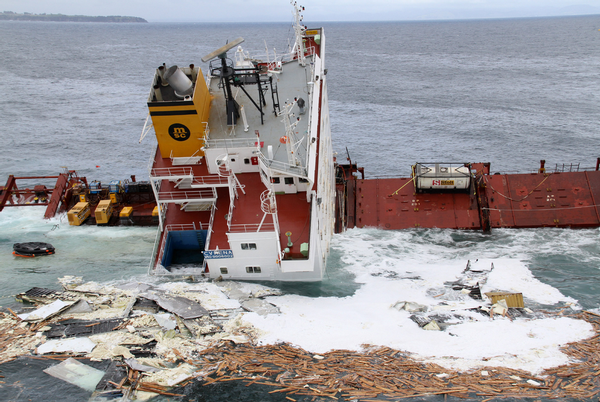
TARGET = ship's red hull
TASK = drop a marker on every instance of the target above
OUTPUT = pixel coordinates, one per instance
(542, 199)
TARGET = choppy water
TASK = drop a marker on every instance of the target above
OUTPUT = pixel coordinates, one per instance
(509, 92)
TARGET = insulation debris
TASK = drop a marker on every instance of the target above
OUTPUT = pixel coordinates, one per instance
(46, 312)
(171, 377)
(165, 320)
(70, 281)
(202, 326)
(410, 306)
(184, 308)
(260, 307)
(73, 345)
(136, 365)
(80, 307)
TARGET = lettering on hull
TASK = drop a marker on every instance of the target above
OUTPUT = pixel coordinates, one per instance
(216, 254)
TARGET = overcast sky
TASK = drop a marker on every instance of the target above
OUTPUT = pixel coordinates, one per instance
(316, 11)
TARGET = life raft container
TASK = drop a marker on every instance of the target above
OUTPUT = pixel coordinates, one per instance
(32, 249)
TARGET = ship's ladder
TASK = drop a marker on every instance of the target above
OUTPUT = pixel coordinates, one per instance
(224, 170)
(268, 205)
(147, 127)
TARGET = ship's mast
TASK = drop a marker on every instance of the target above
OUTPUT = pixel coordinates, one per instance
(291, 142)
(299, 30)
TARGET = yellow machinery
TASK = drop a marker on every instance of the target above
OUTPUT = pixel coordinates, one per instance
(126, 212)
(79, 213)
(125, 216)
(179, 106)
(103, 212)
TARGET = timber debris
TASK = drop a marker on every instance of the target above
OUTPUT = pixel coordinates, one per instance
(162, 340)
(388, 374)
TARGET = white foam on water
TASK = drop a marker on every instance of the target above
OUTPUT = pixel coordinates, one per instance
(394, 266)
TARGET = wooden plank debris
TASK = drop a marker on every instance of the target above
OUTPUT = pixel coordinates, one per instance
(376, 373)
(387, 374)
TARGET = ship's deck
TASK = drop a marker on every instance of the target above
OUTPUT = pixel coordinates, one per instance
(293, 209)
(561, 199)
(291, 82)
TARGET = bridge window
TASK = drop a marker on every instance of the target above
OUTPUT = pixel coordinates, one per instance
(275, 180)
(253, 270)
(246, 161)
(223, 270)
(248, 246)
(289, 180)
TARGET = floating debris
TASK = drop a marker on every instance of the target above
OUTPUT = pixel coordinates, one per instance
(70, 328)
(410, 306)
(46, 312)
(184, 308)
(76, 373)
(71, 345)
(154, 352)
(511, 299)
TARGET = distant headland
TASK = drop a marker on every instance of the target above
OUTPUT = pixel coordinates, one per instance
(9, 15)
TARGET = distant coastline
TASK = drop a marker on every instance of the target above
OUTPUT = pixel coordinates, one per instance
(9, 15)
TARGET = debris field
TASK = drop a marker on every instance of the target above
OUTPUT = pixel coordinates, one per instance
(162, 340)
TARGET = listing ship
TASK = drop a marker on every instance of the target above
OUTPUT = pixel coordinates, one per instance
(243, 183)
(243, 173)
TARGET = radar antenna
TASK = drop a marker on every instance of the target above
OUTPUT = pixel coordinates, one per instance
(232, 107)
(222, 51)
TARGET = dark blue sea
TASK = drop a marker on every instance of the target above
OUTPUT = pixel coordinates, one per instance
(510, 92)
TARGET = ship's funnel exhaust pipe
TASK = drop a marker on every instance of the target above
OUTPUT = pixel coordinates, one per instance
(179, 81)
(157, 93)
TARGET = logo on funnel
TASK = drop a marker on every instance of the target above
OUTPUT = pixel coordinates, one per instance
(179, 132)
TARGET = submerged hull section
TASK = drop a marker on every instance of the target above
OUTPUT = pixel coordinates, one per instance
(243, 172)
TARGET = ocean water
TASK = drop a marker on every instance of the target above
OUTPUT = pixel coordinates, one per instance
(509, 92)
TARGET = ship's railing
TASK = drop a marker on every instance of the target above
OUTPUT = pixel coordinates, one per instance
(251, 227)
(186, 160)
(272, 60)
(567, 167)
(231, 143)
(282, 167)
(308, 51)
(210, 181)
(231, 206)
(175, 196)
(179, 227)
(210, 229)
(172, 172)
